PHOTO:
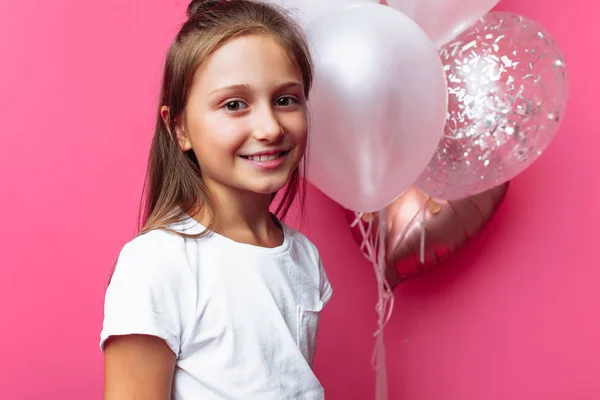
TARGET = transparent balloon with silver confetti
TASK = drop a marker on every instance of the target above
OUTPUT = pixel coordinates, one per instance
(507, 95)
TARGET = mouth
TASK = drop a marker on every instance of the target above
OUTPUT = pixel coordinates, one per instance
(266, 157)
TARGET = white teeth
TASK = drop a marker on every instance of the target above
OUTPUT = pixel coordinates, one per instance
(263, 158)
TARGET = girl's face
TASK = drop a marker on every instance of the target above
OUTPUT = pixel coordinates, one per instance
(246, 116)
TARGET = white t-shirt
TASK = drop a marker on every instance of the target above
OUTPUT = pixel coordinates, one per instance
(241, 319)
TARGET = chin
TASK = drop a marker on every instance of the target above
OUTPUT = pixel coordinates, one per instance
(269, 189)
(274, 185)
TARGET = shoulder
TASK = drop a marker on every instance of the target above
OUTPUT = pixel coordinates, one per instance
(297, 238)
(156, 244)
(152, 290)
(158, 254)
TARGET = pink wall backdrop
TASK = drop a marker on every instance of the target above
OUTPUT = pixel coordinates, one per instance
(513, 316)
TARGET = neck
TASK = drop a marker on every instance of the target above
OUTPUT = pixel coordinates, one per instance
(243, 216)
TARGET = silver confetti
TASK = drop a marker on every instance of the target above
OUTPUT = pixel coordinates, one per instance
(507, 93)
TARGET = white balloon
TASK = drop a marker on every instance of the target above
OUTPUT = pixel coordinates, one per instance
(443, 20)
(378, 106)
(305, 11)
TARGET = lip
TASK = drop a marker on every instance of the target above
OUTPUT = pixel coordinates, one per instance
(268, 164)
(266, 152)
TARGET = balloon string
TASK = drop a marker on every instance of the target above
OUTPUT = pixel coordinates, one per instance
(366, 236)
(373, 247)
(377, 259)
(424, 216)
(385, 302)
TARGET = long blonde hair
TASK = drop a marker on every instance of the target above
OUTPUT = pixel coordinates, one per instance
(174, 187)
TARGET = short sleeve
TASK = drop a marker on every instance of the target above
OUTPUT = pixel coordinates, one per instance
(151, 292)
(324, 284)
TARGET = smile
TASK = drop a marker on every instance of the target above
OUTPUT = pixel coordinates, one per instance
(265, 157)
(267, 161)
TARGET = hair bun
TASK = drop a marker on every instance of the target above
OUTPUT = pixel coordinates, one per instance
(197, 6)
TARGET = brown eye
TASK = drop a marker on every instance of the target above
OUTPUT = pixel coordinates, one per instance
(285, 101)
(234, 106)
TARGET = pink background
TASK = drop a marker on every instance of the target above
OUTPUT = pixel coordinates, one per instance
(513, 316)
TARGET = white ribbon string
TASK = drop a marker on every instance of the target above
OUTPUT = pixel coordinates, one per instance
(373, 247)
(374, 250)
(424, 216)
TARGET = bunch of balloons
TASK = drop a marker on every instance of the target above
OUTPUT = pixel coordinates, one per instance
(421, 109)
(422, 112)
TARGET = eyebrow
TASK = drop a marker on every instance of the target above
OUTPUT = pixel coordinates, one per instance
(245, 87)
(290, 84)
(241, 87)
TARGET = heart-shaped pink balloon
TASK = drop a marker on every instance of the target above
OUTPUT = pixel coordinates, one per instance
(448, 225)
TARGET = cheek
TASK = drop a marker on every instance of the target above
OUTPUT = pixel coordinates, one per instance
(217, 137)
(297, 127)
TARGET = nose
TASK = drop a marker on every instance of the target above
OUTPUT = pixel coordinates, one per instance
(266, 126)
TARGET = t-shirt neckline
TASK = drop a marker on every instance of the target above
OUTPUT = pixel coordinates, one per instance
(196, 227)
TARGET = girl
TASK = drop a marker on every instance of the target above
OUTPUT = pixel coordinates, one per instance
(216, 298)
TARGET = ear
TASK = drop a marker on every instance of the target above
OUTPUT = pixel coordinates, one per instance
(182, 138)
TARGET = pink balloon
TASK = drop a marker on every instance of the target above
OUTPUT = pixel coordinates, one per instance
(443, 20)
(508, 89)
(378, 105)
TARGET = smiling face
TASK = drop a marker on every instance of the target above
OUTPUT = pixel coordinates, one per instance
(245, 118)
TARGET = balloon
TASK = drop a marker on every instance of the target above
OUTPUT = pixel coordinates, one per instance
(448, 225)
(378, 104)
(508, 88)
(443, 20)
(305, 11)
